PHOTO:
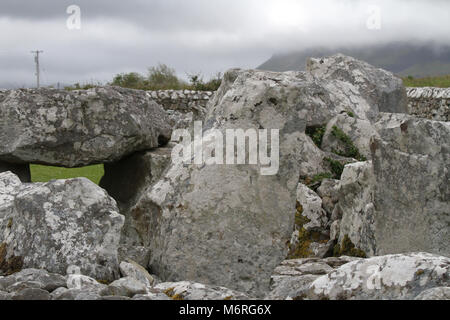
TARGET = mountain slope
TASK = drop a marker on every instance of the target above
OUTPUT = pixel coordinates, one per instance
(404, 59)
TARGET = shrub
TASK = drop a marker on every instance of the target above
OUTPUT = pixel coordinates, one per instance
(316, 134)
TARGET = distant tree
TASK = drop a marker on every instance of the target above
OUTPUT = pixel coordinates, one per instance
(197, 83)
(132, 80)
(163, 77)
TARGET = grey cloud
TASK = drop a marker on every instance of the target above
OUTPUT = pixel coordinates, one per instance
(195, 35)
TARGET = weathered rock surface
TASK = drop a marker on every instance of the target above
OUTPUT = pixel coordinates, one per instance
(78, 128)
(411, 160)
(31, 294)
(356, 198)
(134, 270)
(186, 290)
(311, 235)
(398, 277)
(127, 287)
(60, 223)
(4, 296)
(439, 293)
(233, 211)
(292, 278)
(312, 209)
(371, 90)
(40, 278)
(357, 131)
(84, 283)
(126, 181)
(158, 296)
(329, 193)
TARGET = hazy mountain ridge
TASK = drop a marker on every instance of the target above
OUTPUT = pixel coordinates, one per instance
(404, 59)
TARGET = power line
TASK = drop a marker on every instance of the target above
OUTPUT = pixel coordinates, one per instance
(36, 60)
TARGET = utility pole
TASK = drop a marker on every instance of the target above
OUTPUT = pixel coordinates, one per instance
(36, 60)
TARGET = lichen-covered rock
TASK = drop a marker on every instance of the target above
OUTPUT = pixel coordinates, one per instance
(127, 287)
(84, 283)
(126, 181)
(159, 296)
(371, 90)
(398, 277)
(78, 128)
(134, 270)
(210, 206)
(356, 204)
(233, 211)
(60, 223)
(439, 293)
(411, 159)
(4, 296)
(114, 298)
(31, 294)
(292, 278)
(312, 209)
(186, 290)
(311, 236)
(329, 193)
(75, 294)
(41, 278)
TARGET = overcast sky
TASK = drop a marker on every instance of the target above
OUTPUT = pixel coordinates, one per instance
(195, 35)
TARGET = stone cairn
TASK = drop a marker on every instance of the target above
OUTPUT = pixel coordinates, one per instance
(359, 208)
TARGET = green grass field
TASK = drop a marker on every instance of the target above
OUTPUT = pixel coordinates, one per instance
(45, 173)
(440, 82)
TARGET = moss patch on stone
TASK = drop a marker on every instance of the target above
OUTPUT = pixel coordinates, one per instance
(305, 238)
(347, 248)
(316, 134)
(336, 167)
(350, 150)
(314, 182)
(170, 292)
(10, 265)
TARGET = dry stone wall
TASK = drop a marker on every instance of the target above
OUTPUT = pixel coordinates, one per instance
(429, 103)
(182, 100)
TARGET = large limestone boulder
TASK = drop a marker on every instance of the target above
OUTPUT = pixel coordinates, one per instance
(292, 278)
(399, 201)
(411, 159)
(186, 290)
(126, 180)
(398, 277)
(371, 90)
(233, 211)
(60, 223)
(78, 128)
(356, 196)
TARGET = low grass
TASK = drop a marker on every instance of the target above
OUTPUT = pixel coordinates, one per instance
(439, 82)
(46, 173)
